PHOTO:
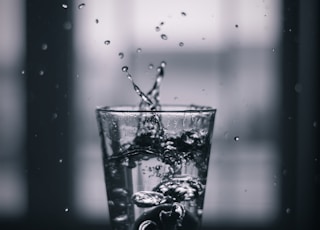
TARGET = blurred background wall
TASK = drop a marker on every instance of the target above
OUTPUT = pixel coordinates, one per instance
(255, 61)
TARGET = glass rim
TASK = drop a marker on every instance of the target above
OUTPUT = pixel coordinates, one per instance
(164, 109)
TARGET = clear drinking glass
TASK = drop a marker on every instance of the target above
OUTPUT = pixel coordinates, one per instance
(155, 164)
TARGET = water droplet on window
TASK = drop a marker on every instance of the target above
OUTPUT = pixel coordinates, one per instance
(139, 50)
(236, 25)
(44, 46)
(121, 55)
(65, 6)
(41, 72)
(151, 66)
(184, 14)
(66, 209)
(125, 68)
(181, 44)
(164, 37)
(107, 42)
(157, 28)
(236, 138)
(80, 6)
(288, 210)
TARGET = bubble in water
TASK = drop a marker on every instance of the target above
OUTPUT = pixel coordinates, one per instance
(164, 37)
(121, 218)
(44, 46)
(184, 14)
(80, 6)
(181, 44)
(107, 42)
(144, 199)
(236, 138)
(139, 50)
(65, 6)
(121, 55)
(148, 225)
(125, 68)
(181, 188)
(120, 192)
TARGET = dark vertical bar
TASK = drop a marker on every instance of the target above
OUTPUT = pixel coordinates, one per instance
(289, 65)
(308, 130)
(48, 64)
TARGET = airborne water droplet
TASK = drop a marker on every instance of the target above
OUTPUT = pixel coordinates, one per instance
(184, 14)
(125, 69)
(23, 72)
(315, 124)
(288, 210)
(107, 42)
(41, 72)
(151, 66)
(164, 37)
(97, 21)
(60, 160)
(80, 6)
(163, 64)
(44, 46)
(139, 50)
(236, 138)
(157, 28)
(121, 55)
(236, 25)
(65, 6)
(66, 209)
(181, 44)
